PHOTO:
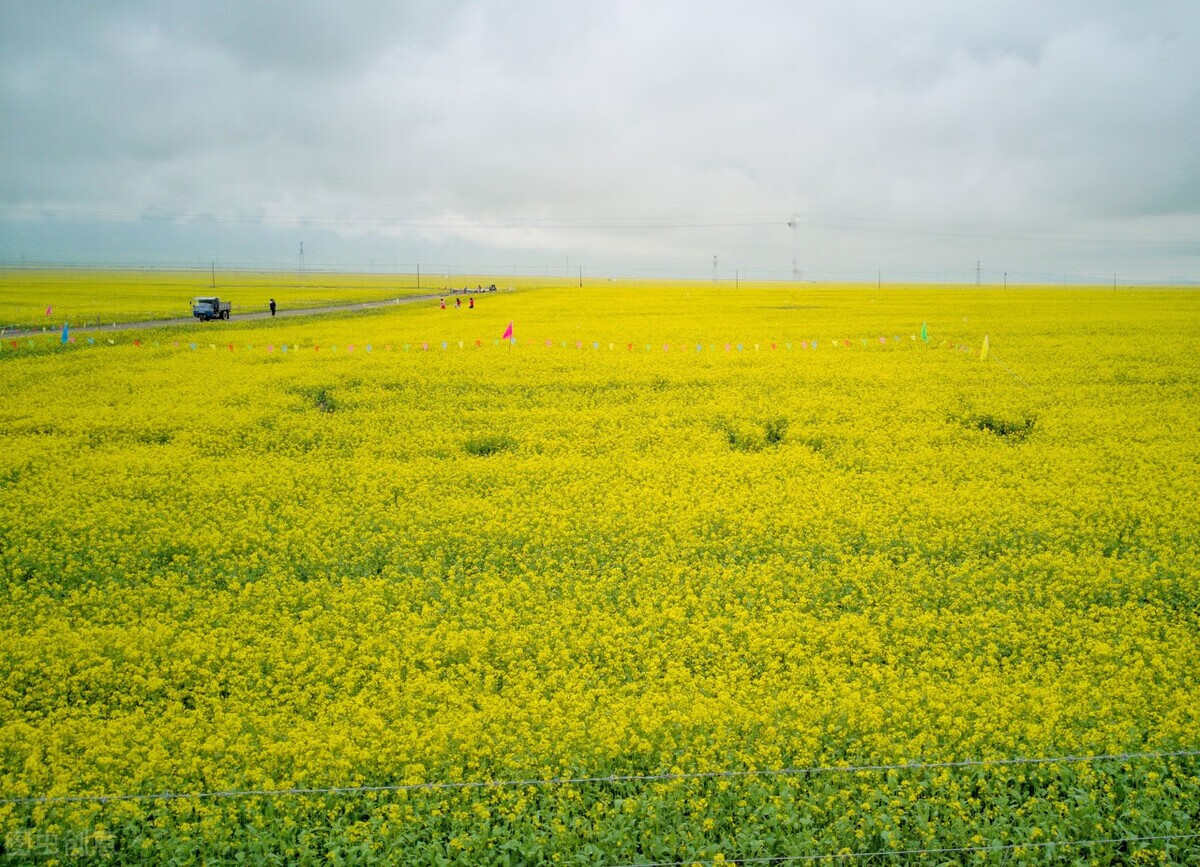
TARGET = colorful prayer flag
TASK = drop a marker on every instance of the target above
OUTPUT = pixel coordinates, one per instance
(65, 334)
(508, 332)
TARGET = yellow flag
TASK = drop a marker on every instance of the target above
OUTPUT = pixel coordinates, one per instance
(983, 352)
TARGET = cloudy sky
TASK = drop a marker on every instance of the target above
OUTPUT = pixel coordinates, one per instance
(836, 138)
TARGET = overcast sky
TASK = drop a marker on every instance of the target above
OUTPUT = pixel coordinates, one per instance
(1042, 138)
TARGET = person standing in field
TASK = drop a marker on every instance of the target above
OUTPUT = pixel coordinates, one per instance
(272, 306)
(470, 303)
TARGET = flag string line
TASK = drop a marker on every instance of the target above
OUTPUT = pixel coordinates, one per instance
(678, 347)
(1008, 370)
(628, 778)
(1007, 847)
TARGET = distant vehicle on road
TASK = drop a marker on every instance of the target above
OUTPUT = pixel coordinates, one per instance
(210, 307)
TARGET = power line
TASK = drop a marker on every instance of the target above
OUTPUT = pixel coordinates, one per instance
(565, 781)
(393, 221)
(620, 223)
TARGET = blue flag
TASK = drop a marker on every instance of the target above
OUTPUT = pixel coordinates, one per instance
(64, 334)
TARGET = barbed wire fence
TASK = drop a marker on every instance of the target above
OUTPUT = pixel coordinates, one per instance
(906, 853)
(610, 779)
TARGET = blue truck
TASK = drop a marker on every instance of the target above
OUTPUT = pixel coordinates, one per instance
(210, 307)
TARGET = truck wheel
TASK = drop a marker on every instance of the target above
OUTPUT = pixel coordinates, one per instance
(224, 314)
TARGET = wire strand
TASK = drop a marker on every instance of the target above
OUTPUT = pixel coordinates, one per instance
(1008, 847)
(573, 781)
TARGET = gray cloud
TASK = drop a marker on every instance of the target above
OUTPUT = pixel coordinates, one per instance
(913, 136)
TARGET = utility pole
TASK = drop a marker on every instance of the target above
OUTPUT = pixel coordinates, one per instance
(794, 225)
(976, 272)
(580, 276)
(214, 273)
(714, 268)
(418, 275)
(301, 257)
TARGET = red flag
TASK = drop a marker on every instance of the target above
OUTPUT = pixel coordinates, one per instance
(507, 335)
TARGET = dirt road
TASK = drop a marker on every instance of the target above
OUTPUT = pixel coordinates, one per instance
(240, 317)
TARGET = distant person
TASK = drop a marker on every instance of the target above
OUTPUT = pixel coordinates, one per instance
(272, 305)
(470, 303)
(458, 302)
(443, 303)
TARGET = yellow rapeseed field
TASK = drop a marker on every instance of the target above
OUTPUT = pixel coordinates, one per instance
(669, 530)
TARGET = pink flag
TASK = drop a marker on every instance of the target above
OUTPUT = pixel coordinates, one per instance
(49, 310)
(507, 335)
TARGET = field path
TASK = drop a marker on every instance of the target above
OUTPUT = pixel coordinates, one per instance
(241, 317)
